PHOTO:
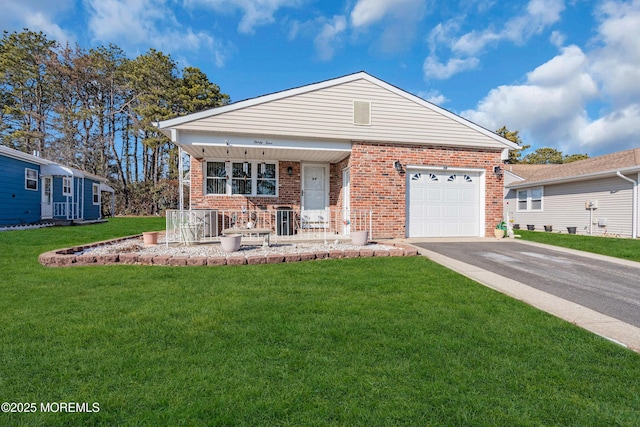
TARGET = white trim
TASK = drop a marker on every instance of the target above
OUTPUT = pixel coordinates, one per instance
(70, 186)
(27, 179)
(262, 143)
(634, 205)
(445, 168)
(95, 190)
(572, 178)
(530, 199)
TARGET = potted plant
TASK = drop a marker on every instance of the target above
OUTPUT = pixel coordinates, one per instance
(516, 226)
(150, 238)
(531, 227)
(231, 242)
(359, 238)
(500, 230)
(572, 230)
(548, 228)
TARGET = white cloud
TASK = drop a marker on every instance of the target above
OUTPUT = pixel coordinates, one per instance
(150, 23)
(549, 107)
(395, 20)
(433, 96)
(329, 37)
(368, 12)
(36, 15)
(254, 12)
(617, 61)
(620, 128)
(466, 49)
(438, 70)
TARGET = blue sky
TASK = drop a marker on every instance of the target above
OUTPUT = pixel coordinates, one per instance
(566, 74)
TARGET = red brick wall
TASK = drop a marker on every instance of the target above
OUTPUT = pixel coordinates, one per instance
(376, 185)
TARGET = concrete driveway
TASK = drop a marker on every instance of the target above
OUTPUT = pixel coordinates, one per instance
(601, 294)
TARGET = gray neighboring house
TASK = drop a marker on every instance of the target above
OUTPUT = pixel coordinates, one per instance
(597, 196)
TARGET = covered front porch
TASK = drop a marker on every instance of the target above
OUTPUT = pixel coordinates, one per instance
(290, 189)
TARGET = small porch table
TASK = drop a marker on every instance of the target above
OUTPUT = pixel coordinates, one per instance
(265, 233)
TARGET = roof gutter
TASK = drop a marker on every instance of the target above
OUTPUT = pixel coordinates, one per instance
(634, 204)
(572, 178)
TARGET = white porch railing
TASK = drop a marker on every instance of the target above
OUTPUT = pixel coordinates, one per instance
(205, 225)
(67, 210)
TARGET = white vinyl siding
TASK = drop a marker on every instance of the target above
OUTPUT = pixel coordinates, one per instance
(31, 179)
(328, 113)
(564, 206)
(240, 178)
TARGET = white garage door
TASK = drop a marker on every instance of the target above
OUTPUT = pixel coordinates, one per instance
(443, 204)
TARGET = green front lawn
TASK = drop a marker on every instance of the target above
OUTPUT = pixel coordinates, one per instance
(374, 341)
(615, 247)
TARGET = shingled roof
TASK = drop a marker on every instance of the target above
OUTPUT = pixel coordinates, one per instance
(623, 161)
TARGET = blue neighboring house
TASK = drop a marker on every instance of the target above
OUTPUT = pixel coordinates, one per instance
(36, 190)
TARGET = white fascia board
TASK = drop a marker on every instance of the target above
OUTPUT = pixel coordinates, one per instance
(574, 178)
(261, 142)
(444, 168)
(19, 155)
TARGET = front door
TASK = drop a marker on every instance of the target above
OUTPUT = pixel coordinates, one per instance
(315, 196)
(47, 198)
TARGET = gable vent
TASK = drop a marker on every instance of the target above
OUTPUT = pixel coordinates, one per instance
(362, 113)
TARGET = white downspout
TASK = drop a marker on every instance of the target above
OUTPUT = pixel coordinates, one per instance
(634, 204)
(180, 180)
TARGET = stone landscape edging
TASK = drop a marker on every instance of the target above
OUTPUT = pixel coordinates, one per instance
(73, 256)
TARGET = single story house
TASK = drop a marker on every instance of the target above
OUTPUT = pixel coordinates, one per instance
(38, 190)
(597, 196)
(345, 146)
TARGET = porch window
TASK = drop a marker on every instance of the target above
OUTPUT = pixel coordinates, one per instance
(31, 179)
(66, 186)
(216, 179)
(96, 194)
(530, 199)
(266, 179)
(243, 178)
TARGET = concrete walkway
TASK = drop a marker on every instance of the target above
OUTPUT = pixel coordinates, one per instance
(608, 327)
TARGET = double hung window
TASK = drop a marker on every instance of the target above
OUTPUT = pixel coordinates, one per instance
(67, 183)
(530, 199)
(96, 194)
(30, 179)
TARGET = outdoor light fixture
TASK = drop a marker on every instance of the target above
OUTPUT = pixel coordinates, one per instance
(398, 166)
(289, 171)
(497, 170)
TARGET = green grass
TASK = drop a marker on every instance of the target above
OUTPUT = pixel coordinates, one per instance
(615, 247)
(377, 341)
